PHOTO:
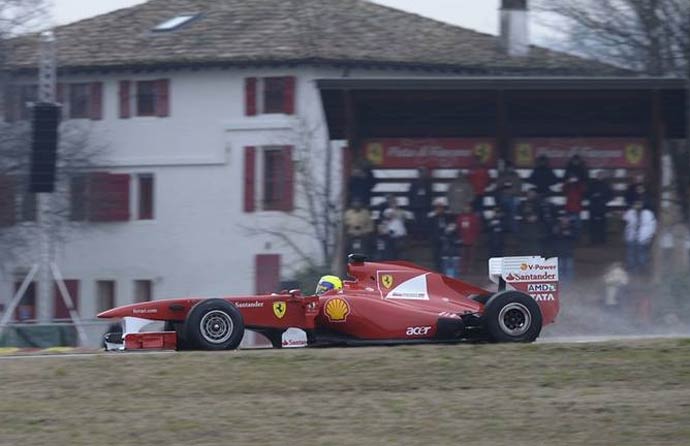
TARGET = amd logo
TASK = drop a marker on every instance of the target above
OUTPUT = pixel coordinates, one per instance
(417, 331)
(541, 288)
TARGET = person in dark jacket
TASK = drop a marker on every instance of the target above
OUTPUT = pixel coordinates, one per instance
(548, 218)
(420, 196)
(637, 191)
(599, 193)
(360, 184)
(542, 177)
(496, 227)
(577, 168)
(530, 227)
(565, 235)
(439, 220)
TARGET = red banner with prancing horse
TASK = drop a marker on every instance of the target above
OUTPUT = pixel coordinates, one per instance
(432, 153)
(597, 153)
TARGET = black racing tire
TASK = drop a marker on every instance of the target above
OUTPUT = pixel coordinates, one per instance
(214, 324)
(511, 316)
(179, 329)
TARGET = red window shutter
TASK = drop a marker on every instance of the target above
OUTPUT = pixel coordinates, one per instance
(267, 274)
(125, 104)
(288, 197)
(289, 99)
(108, 197)
(8, 211)
(162, 88)
(250, 96)
(61, 311)
(96, 101)
(249, 181)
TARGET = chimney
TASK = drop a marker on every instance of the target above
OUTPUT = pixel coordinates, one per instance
(515, 27)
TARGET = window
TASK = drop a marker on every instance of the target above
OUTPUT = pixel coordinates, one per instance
(61, 310)
(28, 94)
(79, 99)
(146, 98)
(270, 95)
(176, 22)
(274, 94)
(267, 273)
(273, 179)
(145, 186)
(152, 98)
(105, 295)
(26, 310)
(99, 197)
(143, 291)
(274, 186)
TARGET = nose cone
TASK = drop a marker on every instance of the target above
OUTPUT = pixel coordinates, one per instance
(112, 313)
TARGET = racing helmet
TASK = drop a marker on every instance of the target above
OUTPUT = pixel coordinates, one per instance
(327, 283)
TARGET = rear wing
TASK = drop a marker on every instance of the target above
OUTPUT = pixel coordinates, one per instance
(532, 275)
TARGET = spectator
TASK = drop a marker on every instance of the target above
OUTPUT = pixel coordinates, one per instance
(548, 218)
(576, 167)
(361, 183)
(640, 226)
(439, 220)
(394, 221)
(637, 191)
(383, 244)
(542, 176)
(599, 193)
(450, 251)
(460, 194)
(358, 227)
(420, 196)
(574, 191)
(508, 191)
(496, 229)
(565, 235)
(615, 278)
(479, 177)
(530, 226)
(469, 228)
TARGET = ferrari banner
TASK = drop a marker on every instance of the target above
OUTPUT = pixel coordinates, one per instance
(437, 153)
(628, 153)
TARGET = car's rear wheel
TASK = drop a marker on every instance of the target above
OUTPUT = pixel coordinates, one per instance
(214, 324)
(511, 316)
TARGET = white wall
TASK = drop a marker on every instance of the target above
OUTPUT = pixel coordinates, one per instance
(198, 243)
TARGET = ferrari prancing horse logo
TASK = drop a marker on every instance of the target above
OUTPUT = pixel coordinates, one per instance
(279, 309)
(387, 280)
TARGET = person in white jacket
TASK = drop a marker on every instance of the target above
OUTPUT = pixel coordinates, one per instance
(640, 227)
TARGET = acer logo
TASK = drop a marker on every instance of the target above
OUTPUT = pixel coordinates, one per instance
(417, 331)
(543, 297)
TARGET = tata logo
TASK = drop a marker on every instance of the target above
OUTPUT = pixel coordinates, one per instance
(543, 297)
(541, 287)
(417, 331)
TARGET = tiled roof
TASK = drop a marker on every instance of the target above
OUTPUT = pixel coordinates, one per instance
(351, 32)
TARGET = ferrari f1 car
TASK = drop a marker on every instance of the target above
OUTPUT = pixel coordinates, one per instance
(382, 303)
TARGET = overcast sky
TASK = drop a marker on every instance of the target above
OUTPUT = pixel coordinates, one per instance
(481, 15)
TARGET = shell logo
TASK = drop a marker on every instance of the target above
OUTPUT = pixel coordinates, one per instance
(337, 309)
(524, 267)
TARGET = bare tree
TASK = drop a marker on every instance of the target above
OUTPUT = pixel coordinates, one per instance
(649, 36)
(314, 226)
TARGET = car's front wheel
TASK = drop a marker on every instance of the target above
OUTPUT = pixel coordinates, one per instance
(214, 324)
(511, 316)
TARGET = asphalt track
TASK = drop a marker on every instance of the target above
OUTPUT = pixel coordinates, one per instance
(546, 340)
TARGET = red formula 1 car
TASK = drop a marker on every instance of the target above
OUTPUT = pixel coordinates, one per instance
(383, 303)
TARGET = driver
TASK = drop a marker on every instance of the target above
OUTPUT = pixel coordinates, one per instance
(328, 283)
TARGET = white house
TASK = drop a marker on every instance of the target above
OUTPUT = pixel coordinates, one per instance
(203, 108)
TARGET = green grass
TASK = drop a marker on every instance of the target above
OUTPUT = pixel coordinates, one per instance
(635, 393)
